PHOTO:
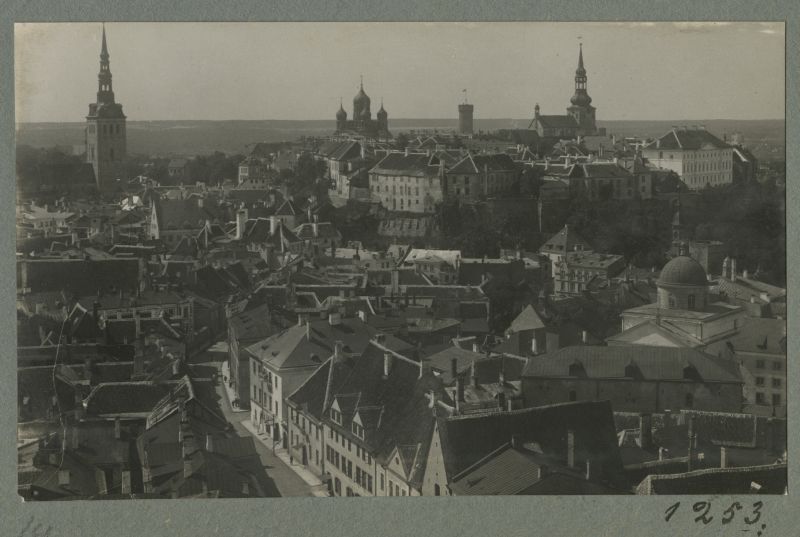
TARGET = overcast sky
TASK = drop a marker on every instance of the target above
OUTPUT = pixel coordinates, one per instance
(166, 71)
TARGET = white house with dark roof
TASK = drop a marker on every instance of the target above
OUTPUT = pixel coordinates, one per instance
(698, 157)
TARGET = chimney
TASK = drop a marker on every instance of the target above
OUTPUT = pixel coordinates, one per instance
(541, 471)
(126, 481)
(662, 453)
(474, 375)
(406, 151)
(692, 440)
(387, 364)
(246, 488)
(273, 224)
(584, 337)
(210, 443)
(723, 457)
(117, 428)
(337, 350)
(432, 397)
(733, 269)
(362, 315)
(589, 470)
(395, 281)
(501, 377)
(315, 228)
(74, 438)
(534, 345)
(301, 320)
(200, 202)
(645, 431)
(571, 448)
(63, 478)
(476, 347)
(241, 220)
(745, 274)
(334, 318)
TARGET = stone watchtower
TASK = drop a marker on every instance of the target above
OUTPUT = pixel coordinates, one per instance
(105, 129)
(465, 117)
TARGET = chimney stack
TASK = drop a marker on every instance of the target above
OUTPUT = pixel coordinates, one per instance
(63, 478)
(459, 393)
(589, 470)
(584, 337)
(733, 269)
(571, 448)
(474, 375)
(690, 451)
(210, 443)
(534, 345)
(337, 349)
(723, 457)
(273, 224)
(387, 364)
(645, 431)
(126, 481)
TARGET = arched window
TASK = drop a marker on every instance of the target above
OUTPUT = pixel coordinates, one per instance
(671, 301)
(690, 301)
(437, 491)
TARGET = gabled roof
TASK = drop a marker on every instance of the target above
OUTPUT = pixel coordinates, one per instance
(528, 319)
(687, 139)
(601, 170)
(471, 164)
(564, 241)
(414, 164)
(557, 122)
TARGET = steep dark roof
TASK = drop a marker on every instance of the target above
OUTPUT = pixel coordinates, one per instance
(470, 164)
(558, 122)
(652, 363)
(465, 440)
(687, 139)
(401, 164)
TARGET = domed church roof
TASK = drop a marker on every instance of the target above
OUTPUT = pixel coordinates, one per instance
(683, 270)
(361, 97)
(341, 114)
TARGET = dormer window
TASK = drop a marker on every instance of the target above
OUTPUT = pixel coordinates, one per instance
(336, 416)
(358, 430)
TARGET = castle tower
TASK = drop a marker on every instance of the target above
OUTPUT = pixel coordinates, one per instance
(582, 109)
(105, 129)
(465, 117)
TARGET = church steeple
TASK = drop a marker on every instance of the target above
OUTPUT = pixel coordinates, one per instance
(581, 98)
(105, 93)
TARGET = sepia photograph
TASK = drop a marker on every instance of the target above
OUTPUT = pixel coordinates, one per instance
(341, 259)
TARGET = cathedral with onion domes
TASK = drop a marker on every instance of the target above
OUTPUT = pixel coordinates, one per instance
(361, 122)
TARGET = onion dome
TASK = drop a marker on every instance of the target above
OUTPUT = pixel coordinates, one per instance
(341, 115)
(684, 271)
(581, 98)
(361, 100)
(382, 112)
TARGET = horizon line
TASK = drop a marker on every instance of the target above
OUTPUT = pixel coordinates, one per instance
(455, 119)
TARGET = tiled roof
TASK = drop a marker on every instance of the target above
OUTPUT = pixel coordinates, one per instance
(557, 122)
(401, 164)
(465, 440)
(528, 319)
(652, 363)
(687, 139)
(80, 276)
(114, 398)
(601, 170)
(471, 164)
(325, 230)
(564, 241)
(183, 214)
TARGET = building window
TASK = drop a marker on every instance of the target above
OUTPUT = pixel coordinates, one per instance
(760, 364)
(689, 400)
(759, 381)
(573, 396)
(437, 491)
(776, 366)
(776, 399)
(759, 398)
(382, 484)
(776, 383)
(690, 301)
(336, 416)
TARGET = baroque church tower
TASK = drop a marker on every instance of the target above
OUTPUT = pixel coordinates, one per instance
(105, 129)
(582, 109)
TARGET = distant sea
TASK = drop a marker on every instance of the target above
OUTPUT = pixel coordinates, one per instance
(188, 138)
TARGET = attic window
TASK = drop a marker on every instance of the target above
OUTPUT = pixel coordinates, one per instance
(358, 430)
(336, 416)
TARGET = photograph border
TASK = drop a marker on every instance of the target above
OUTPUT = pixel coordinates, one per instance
(439, 517)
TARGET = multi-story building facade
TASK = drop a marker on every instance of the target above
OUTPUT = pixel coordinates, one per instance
(408, 182)
(365, 424)
(698, 157)
(576, 270)
(478, 176)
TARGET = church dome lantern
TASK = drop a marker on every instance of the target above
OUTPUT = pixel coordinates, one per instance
(682, 284)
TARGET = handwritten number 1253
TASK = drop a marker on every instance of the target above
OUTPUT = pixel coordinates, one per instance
(704, 508)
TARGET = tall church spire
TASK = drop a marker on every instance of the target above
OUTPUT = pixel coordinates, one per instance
(580, 70)
(105, 93)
